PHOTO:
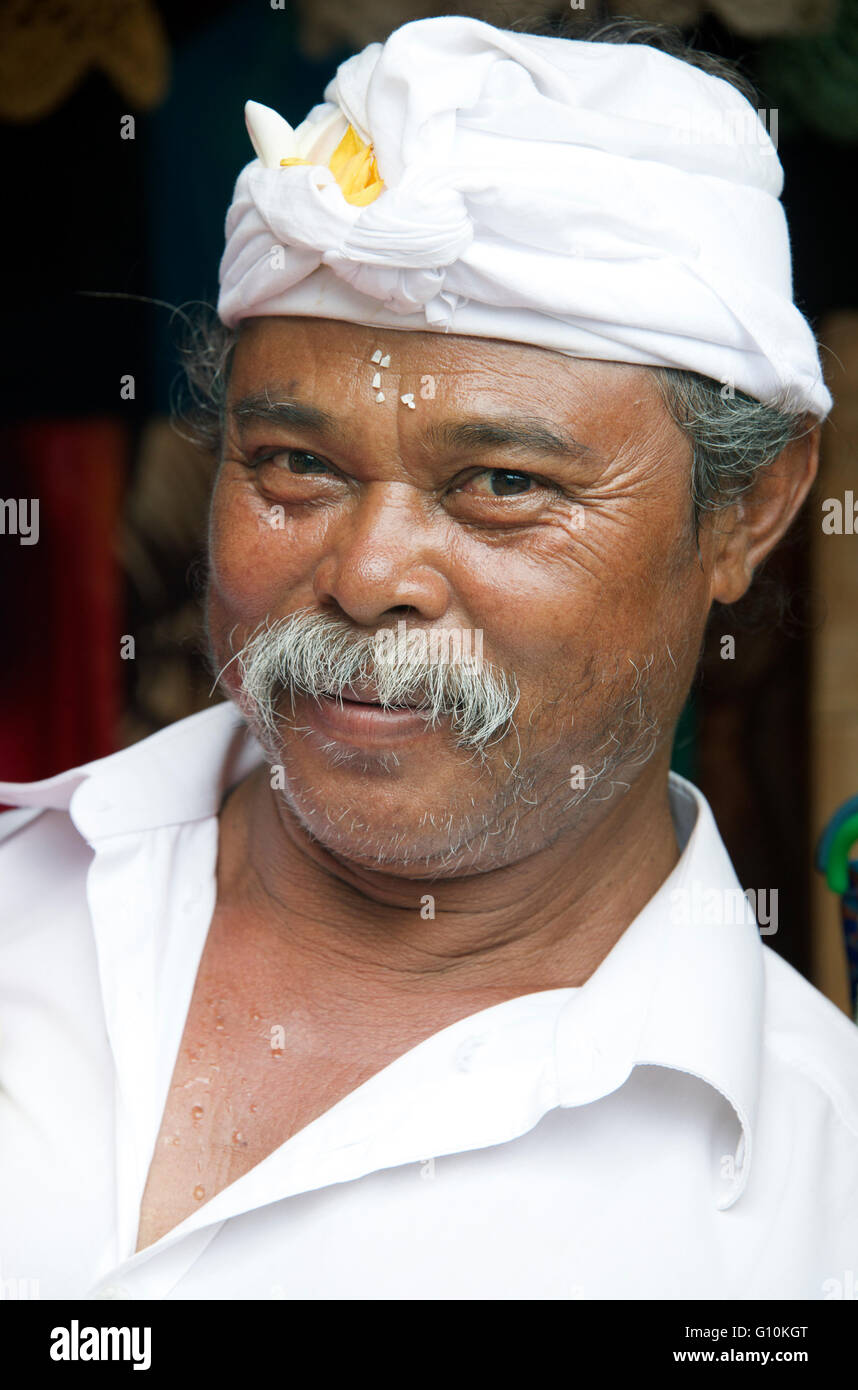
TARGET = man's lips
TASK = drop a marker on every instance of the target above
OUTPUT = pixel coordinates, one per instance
(355, 717)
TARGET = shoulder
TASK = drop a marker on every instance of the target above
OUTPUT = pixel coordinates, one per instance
(812, 1041)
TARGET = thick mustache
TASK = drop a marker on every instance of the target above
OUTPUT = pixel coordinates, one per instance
(317, 654)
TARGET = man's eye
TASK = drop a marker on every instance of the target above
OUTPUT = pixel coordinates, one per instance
(292, 461)
(500, 482)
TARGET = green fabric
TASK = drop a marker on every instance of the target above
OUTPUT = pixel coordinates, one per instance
(813, 82)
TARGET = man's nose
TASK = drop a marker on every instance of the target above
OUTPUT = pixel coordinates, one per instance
(384, 554)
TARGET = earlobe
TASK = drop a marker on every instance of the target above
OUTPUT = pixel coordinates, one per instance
(732, 576)
(726, 550)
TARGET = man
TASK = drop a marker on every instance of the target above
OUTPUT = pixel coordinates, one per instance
(432, 985)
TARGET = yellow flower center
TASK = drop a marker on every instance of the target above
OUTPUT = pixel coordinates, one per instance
(354, 168)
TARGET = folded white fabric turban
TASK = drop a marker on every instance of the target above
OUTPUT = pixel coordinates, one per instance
(602, 200)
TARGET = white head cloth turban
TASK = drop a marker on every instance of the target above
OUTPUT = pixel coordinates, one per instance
(602, 200)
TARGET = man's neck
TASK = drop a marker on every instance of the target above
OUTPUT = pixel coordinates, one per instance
(545, 921)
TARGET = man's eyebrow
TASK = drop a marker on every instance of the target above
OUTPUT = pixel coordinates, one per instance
(298, 414)
(521, 432)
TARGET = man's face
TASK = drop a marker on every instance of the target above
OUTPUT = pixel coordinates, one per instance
(577, 564)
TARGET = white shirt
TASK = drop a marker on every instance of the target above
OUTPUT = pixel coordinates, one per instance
(683, 1125)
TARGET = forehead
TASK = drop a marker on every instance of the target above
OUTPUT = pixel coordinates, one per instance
(297, 354)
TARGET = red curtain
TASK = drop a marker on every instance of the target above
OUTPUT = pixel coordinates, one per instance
(62, 683)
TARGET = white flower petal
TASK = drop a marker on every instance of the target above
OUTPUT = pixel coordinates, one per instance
(272, 138)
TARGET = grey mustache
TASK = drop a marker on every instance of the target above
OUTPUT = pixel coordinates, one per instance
(316, 654)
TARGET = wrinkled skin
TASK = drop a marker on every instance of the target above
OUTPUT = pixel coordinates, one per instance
(586, 581)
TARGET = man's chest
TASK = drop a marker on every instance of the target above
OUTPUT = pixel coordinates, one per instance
(255, 1066)
(232, 1101)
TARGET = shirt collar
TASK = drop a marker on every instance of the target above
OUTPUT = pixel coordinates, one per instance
(682, 988)
(179, 774)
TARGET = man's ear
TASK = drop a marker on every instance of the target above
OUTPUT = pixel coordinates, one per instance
(740, 537)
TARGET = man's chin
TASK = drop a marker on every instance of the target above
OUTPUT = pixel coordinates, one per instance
(402, 842)
(413, 816)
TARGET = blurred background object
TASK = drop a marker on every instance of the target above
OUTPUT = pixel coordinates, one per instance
(47, 49)
(122, 125)
(834, 656)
